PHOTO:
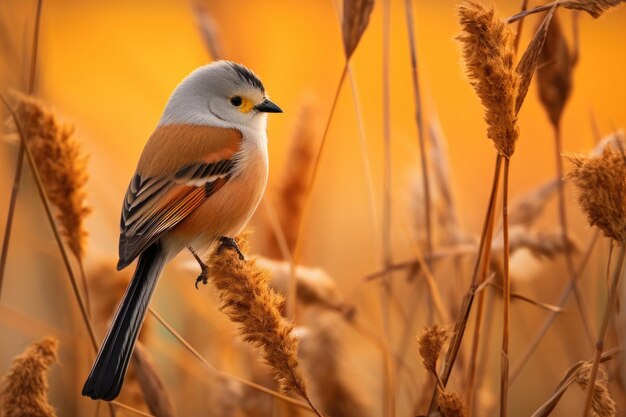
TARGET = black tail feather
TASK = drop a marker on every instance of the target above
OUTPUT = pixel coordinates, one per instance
(107, 374)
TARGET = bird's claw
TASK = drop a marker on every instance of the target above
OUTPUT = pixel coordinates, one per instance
(229, 242)
(203, 277)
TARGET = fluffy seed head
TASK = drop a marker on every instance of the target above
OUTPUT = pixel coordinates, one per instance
(430, 343)
(489, 56)
(601, 184)
(24, 390)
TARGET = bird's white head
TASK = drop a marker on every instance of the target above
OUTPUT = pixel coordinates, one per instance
(222, 93)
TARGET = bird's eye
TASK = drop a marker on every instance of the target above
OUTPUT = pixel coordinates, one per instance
(236, 101)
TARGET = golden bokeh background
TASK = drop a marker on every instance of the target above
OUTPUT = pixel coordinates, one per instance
(109, 67)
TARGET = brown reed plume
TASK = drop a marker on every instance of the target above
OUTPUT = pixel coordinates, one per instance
(246, 298)
(356, 17)
(489, 56)
(603, 405)
(430, 344)
(322, 348)
(488, 51)
(61, 165)
(601, 184)
(24, 391)
(292, 188)
(62, 168)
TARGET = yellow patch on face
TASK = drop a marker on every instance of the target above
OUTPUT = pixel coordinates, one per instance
(246, 105)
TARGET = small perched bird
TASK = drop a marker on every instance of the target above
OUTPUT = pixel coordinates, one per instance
(199, 179)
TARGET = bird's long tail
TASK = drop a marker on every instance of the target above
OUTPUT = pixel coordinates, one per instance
(107, 374)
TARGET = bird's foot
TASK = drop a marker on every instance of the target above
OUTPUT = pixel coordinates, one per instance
(204, 269)
(204, 275)
(229, 242)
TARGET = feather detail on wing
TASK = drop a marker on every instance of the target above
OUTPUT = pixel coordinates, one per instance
(154, 205)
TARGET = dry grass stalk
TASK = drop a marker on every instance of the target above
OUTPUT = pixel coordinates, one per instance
(61, 166)
(321, 350)
(314, 286)
(554, 75)
(208, 30)
(601, 184)
(579, 374)
(24, 391)
(489, 56)
(152, 385)
(248, 301)
(293, 186)
(528, 63)
(356, 17)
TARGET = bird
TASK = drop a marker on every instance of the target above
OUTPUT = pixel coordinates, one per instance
(199, 179)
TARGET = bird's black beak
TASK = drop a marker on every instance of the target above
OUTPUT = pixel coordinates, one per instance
(267, 106)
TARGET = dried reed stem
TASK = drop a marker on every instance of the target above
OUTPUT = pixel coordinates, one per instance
(520, 26)
(420, 124)
(53, 225)
(506, 294)
(389, 401)
(569, 259)
(612, 298)
(20, 154)
(464, 312)
(567, 291)
(221, 373)
(24, 390)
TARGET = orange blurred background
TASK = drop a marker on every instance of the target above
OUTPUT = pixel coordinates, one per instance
(109, 67)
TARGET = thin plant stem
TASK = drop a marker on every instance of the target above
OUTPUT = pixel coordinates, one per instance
(420, 124)
(525, 13)
(520, 26)
(612, 298)
(567, 291)
(387, 288)
(472, 368)
(291, 290)
(212, 368)
(506, 294)
(129, 408)
(17, 177)
(461, 323)
(569, 259)
(53, 225)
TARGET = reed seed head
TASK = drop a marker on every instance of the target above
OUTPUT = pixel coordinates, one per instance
(594, 7)
(61, 165)
(24, 390)
(430, 344)
(489, 56)
(601, 403)
(601, 184)
(248, 301)
(450, 403)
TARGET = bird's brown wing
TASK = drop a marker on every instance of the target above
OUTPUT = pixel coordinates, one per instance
(155, 205)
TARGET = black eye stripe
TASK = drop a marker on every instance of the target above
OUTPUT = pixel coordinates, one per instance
(236, 101)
